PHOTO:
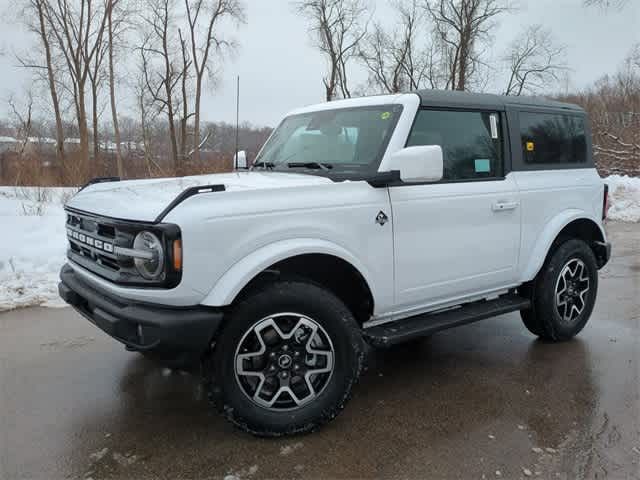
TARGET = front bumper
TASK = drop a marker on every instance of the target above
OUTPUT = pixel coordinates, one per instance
(173, 331)
(602, 251)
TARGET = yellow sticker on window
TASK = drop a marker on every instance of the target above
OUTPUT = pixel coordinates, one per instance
(385, 115)
(531, 146)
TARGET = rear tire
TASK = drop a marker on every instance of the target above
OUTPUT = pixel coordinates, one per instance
(564, 292)
(287, 359)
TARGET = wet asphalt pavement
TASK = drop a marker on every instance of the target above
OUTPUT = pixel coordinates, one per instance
(483, 400)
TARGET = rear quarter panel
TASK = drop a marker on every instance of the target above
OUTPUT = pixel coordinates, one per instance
(550, 200)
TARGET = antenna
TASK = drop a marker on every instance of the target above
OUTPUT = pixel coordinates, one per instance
(235, 157)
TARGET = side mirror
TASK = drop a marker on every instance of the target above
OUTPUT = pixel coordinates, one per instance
(418, 164)
(240, 160)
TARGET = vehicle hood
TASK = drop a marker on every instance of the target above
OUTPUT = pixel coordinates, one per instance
(145, 200)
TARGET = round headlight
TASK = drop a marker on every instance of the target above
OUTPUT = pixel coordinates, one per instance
(150, 268)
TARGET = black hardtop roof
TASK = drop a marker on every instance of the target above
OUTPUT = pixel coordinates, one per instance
(449, 98)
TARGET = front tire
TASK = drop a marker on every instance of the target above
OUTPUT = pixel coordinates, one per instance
(563, 293)
(287, 359)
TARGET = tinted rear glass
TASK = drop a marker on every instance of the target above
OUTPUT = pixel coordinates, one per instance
(552, 138)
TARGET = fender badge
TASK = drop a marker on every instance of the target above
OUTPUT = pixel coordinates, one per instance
(381, 218)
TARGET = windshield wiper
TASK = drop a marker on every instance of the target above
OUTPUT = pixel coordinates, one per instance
(266, 165)
(317, 165)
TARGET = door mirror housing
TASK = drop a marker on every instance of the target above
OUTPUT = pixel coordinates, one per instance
(240, 160)
(419, 164)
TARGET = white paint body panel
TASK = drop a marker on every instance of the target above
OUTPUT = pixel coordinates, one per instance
(419, 164)
(144, 200)
(236, 235)
(445, 243)
(550, 200)
(449, 242)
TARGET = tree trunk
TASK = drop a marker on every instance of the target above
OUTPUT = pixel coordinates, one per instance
(168, 86)
(183, 124)
(196, 121)
(185, 100)
(84, 133)
(177, 161)
(183, 136)
(96, 164)
(52, 88)
(112, 95)
(463, 60)
(145, 134)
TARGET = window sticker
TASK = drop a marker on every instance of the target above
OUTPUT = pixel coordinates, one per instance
(385, 115)
(482, 165)
(531, 147)
(493, 119)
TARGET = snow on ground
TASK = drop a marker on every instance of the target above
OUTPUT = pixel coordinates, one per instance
(32, 245)
(33, 240)
(624, 198)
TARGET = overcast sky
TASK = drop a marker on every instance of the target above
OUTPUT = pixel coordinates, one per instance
(280, 69)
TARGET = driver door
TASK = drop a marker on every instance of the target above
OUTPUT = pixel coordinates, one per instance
(459, 237)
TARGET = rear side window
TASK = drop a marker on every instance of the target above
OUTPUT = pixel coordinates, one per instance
(471, 142)
(549, 138)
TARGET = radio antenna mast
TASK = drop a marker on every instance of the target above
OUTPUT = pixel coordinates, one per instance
(235, 157)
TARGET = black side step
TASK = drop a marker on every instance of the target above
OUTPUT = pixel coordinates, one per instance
(428, 323)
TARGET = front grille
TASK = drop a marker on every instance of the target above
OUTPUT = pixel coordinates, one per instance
(93, 242)
(100, 244)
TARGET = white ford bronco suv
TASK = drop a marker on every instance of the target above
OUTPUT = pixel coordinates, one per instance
(372, 221)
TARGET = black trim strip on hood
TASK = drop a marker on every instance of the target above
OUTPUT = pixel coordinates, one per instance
(189, 192)
(93, 181)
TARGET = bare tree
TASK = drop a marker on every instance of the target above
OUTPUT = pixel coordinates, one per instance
(23, 122)
(142, 104)
(184, 102)
(535, 62)
(159, 69)
(613, 104)
(384, 61)
(96, 77)
(113, 30)
(339, 27)
(204, 18)
(78, 30)
(37, 23)
(397, 60)
(462, 27)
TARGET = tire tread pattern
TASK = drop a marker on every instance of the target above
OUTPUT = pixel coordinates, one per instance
(302, 292)
(542, 319)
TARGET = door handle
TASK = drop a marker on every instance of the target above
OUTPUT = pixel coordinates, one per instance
(502, 206)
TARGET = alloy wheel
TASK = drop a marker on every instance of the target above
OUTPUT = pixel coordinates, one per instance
(571, 290)
(284, 361)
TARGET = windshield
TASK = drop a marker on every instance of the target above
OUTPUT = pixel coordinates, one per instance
(350, 140)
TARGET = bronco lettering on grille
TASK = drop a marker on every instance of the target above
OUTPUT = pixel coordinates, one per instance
(107, 247)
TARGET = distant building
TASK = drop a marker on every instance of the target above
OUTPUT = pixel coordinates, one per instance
(7, 144)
